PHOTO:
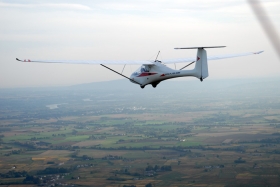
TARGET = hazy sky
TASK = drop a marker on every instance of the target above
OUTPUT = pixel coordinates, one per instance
(128, 30)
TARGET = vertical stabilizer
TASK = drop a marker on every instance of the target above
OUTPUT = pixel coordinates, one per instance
(201, 65)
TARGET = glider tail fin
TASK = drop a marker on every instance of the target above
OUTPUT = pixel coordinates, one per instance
(201, 65)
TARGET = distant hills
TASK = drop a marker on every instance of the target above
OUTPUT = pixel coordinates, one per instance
(191, 87)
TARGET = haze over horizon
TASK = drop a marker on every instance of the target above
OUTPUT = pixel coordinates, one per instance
(106, 30)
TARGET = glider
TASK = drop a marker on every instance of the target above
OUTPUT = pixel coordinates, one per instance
(154, 72)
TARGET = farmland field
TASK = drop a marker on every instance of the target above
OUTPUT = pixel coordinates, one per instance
(224, 138)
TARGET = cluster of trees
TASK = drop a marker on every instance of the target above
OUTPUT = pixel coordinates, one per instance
(235, 148)
(276, 151)
(14, 152)
(126, 148)
(31, 180)
(111, 157)
(38, 138)
(92, 137)
(5, 129)
(74, 132)
(126, 172)
(62, 147)
(239, 161)
(41, 143)
(19, 174)
(49, 171)
(158, 168)
(115, 178)
(79, 127)
(177, 148)
(63, 135)
(266, 140)
(29, 145)
(84, 157)
(1, 136)
(14, 174)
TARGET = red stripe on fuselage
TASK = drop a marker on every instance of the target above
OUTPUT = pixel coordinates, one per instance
(146, 74)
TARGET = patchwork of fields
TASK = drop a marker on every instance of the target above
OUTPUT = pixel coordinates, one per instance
(223, 139)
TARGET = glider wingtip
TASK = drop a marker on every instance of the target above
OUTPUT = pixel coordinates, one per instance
(259, 52)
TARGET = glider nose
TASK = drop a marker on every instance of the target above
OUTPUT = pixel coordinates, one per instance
(132, 78)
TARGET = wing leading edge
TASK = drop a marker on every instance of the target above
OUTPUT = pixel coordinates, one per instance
(108, 62)
(139, 62)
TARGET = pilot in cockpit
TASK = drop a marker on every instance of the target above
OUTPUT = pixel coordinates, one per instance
(144, 69)
(141, 69)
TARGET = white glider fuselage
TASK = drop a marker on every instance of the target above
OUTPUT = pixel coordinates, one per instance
(157, 72)
(153, 74)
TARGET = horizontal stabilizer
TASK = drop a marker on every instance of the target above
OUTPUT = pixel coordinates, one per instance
(199, 47)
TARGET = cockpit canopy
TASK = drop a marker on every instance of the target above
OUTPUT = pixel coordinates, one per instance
(142, 69)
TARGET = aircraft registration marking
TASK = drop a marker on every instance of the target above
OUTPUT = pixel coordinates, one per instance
(173, 73)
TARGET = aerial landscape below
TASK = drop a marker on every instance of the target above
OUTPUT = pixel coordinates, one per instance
(184, 133)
